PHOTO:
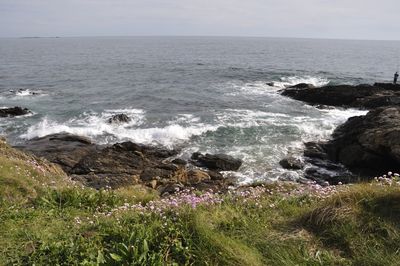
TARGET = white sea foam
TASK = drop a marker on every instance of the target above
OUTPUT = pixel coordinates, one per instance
(262, 137)
(28, 92)
(285, 82)
(271, 88)
(95, 126)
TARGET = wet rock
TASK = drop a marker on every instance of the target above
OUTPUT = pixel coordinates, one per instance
(196, 155)
(388, 86)
(368, 145)
(119, 119)
(292, 163)
(303, 86)
(218, 162)
(323, 169)
(126, 163)
(360, 96)
(315, 150)
(361, 148)
(13, 111)
(322, 175)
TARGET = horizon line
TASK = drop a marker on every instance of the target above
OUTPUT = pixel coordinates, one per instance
(198, 36)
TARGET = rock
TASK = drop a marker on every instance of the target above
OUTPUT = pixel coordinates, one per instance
(271, 84)
(197, 176)
(110, 160)
(179, 161)
(315, 150)
(322, 175)
(292, 163)
(360, 96)
(196, 155)
(323, 169)
(13, 111)
(218, 162)
(368, 145)
(119, 119)
(63, 149)
(215, 175)
(303, 86)
(153, 184)
(361, 148)
(388, 86)
(151, 173)
(170, 188)
(127, 163)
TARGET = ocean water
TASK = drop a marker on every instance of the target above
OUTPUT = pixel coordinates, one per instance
(204, 94)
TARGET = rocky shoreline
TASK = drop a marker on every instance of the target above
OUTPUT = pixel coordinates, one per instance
(127, 163)
(363, 147)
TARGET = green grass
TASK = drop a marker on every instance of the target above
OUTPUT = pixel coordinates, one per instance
(47, 220)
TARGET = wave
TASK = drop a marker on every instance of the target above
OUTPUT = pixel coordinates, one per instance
(285, 82)
(271, 88)
(28, 92)
(95, 126)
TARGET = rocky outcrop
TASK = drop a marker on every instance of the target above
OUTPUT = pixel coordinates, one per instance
(323, 170)
(126, 163)
(63, 149)
(218, 162)
(119, 119)
(13, 111)
(302, 86)
(360, 96)
(366, 145)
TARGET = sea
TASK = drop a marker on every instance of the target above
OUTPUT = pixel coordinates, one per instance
(206, 94)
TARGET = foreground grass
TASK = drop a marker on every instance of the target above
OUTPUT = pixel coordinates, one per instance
(46, 220)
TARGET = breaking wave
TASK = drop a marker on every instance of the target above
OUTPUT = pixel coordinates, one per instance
(285, 82)
(95, 126)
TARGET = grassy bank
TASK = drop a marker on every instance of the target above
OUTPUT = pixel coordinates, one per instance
(47, 220)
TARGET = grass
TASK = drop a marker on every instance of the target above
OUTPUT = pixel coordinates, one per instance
(45, 219)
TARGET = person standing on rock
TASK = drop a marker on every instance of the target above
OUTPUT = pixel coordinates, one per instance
(396, 76)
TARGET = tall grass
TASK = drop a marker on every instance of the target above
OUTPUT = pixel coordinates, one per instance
(47, 220)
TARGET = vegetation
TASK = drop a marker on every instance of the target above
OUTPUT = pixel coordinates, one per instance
(45, 219)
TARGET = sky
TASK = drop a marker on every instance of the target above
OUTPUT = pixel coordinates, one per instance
(339, 19)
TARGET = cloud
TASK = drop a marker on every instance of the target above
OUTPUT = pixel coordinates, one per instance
(366, 19)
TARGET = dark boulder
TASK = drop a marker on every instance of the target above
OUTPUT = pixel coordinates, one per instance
(361, 148)
(360, 96)
(63, 149)
(322, 169)
(370, 144)
(302, 86)
(119, 119)
(13, 111)
(127, 163)
(218, 162)
(110, 160)
(388, 86)
(292, 163)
